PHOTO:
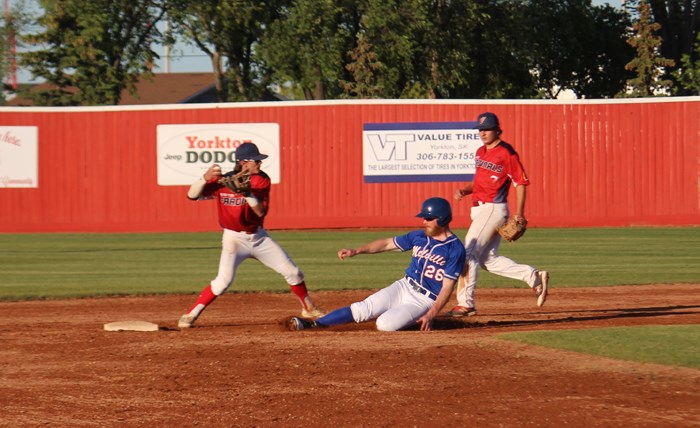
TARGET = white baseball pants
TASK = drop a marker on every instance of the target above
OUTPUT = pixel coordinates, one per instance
(238, 246)
(394, 307)
(481, 242)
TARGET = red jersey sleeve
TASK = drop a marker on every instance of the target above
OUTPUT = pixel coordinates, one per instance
(516, 171)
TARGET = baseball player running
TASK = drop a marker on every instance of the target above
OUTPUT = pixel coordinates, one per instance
(242, 216)
(497, 165)
(438, 259)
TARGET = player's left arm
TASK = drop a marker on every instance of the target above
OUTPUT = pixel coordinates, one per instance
(259, 197)
(426, 321)
(258, 206)
(520, 194)
(520, 180)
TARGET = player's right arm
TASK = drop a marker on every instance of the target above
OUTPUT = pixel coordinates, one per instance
(464, 191)
(378, 246)
(196, 189)
(426, 321)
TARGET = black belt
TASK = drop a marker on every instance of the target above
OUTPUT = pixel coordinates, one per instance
(419, 288)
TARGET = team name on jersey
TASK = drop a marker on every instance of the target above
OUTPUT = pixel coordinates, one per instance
(232, 200)
(489, 165)
(425, 254)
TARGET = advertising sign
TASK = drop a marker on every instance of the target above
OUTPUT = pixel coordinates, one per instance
(419, 151)
(185, 152)
(19, 156)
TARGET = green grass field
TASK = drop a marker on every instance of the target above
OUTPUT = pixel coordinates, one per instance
(38, 266)
(648, 344)
(49, 266)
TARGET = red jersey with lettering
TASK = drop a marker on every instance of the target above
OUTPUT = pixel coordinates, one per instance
(234, 212)
(496, 169)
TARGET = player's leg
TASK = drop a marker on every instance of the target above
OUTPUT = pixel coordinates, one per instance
(339, 316)
(463, 308)
(503, 266)
(377, 304)
(405, 313)
(485, 220)
(272, 255)
(368, 309)
(233, 252)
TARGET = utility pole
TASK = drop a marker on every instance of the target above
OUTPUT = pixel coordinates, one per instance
(166, 59)
(12, 45)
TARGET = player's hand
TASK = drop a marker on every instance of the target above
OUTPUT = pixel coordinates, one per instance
(426, 322)
(214, 172)
(459, 194)
(345, 253)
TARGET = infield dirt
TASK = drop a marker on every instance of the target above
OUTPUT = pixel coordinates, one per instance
(239, 367)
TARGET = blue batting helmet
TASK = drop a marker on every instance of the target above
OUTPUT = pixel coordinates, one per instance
(437, 208)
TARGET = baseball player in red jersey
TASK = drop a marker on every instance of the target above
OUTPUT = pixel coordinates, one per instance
(497, 167)
(242, 217)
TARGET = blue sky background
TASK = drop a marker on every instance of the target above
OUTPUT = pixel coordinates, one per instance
(189, 59)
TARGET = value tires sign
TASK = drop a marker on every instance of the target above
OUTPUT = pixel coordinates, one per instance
(419, 151)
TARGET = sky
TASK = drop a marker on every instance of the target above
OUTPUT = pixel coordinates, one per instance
(189, 59)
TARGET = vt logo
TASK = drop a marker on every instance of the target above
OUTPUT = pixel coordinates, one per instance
(394, 146)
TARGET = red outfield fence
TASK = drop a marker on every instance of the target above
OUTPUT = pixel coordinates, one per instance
(591, 163)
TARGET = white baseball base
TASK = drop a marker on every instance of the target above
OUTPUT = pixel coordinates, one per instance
(131, 326)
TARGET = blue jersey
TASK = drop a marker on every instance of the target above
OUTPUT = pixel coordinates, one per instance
(432, 260)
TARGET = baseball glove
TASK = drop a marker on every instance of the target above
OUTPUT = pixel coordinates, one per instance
(237, 183)
(513, 229)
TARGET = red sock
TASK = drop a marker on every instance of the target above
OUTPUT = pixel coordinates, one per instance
(205, 298)
(301, 293)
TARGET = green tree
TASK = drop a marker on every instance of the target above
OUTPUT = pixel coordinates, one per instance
(391, 28)
(494, 38)
(363, 69)
(688, 75)
(89, 51)
(447, 49)
(318, 49)
(576, 46)
(679, 22)
(308, 46)
(229, 33)
(451, 48)
(604, 73)
(441, 47)
(649, 67)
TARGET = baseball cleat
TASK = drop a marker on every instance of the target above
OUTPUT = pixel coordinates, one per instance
(186, 321)
(296, 324)
(461, 311)
(542, 289)
(312, 313)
